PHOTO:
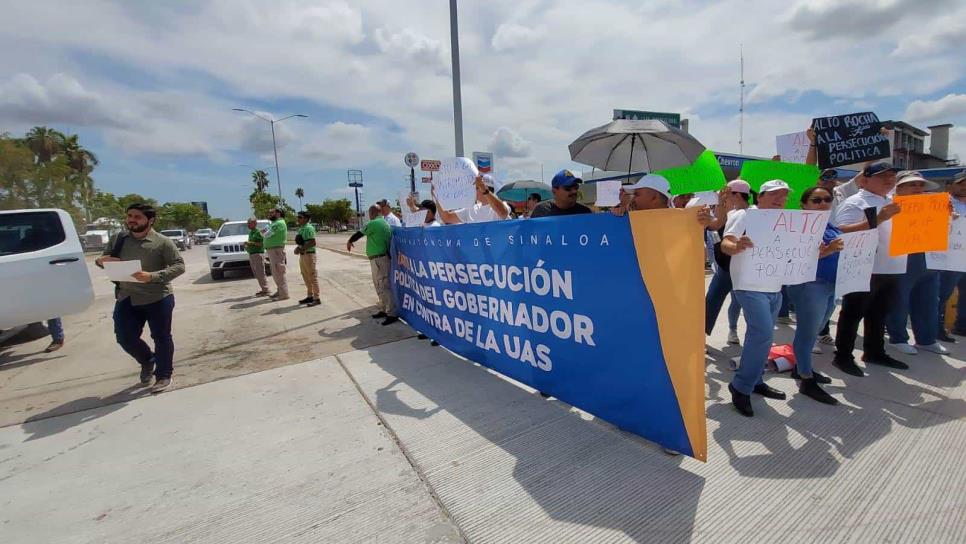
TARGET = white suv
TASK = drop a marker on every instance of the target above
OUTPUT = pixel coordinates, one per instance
(42, 267)
(227, 250)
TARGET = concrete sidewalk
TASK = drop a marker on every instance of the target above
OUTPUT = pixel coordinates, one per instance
(297, 454)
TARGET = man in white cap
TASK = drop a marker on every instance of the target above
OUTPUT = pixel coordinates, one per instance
(870, 208)
(917, 298)
(948, 280)
(652, 192)
(488, 206)
(760, 307)
(386, 211)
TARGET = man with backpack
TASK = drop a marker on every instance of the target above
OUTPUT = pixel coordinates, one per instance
(149, 298)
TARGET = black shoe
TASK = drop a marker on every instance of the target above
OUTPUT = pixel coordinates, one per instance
(768, 392)
(146, 372)
(305, 300)
(390, 320)
(741, 402)
(884, 360)
(810, 388)
(379, 315)
(816, 375)
(945, 337)
(848, 366)
(544, 395)
(421, 336)
(314, 302)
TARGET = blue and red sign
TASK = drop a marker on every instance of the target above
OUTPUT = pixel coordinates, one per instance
(483, 161)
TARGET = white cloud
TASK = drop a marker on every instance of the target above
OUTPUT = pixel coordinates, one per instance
(506, 143)
(945, 109)
(509, 36)
(60, 100)
(415, 47)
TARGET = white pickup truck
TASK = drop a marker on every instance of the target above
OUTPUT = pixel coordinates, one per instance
(42, 267)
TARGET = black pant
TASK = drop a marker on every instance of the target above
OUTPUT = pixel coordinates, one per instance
(872, 307)
(129, 323)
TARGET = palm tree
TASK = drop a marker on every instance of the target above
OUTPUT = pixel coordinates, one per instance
(300, 194)
(260, 179)
(45, 143)
(82, 161)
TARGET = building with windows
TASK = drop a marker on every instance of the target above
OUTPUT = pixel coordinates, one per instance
(909, 146)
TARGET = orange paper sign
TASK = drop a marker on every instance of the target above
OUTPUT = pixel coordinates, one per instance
(923, 224)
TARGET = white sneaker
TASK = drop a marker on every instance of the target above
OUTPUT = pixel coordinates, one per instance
(733, 337)
(816, 349)
(935, 347)
(905, 348)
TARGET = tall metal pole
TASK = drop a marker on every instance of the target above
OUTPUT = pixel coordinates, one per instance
(457, 98)
(412, 180)
(278, 176)
(741, 109)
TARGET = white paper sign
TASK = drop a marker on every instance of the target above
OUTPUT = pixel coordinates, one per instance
(793, 147)
(266, 230)
(854, 272)
(121, 270)
(786, 249)
(455, 183)
(608, 193)
(954, 258)
(409, 218)
(704, 198)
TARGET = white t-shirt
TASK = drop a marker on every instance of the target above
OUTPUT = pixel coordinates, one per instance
(480, 213)
(735, 225)
(433, 223)
(852, 211)
(392, 220)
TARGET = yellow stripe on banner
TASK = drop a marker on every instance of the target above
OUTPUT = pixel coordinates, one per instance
(670, 250)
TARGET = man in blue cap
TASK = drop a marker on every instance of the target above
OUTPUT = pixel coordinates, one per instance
(564, 202)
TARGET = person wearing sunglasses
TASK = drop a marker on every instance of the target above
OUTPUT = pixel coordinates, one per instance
(815, 300)
(564, 186)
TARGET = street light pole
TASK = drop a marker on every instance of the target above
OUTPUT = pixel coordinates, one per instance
(457, 98)
(272, 121)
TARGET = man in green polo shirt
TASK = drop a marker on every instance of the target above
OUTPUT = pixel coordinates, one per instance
(256, 256)
(275, 247)
(305, 249)
(378, 235)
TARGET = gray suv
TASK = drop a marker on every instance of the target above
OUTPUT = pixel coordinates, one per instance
(180, 237)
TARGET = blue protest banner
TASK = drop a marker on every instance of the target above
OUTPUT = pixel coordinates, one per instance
(602, 312)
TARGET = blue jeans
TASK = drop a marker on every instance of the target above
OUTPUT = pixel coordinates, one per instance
(947, 284)
(718, 290)
(56, 329)
(129, 323)
(814, 302)
(917, 300)
(761, 311)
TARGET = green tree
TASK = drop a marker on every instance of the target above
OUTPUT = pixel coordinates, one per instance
(331, 212)
(104, 204)
(16, 172)
(182, 215)
(82, 162)
(260, 179)
(299, 193)
(45, 143)
(262, 202)
(215, 223)
(134, 198)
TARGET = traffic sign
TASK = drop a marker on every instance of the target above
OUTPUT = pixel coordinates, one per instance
(427, 165)
(412, 159)
(427, 180)
(355, 184)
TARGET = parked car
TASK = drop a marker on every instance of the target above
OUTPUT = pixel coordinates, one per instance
(41, 266)
(180, 237)
(227, 250)
(203, 236)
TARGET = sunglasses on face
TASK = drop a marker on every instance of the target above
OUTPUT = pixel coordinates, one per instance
(820, 199)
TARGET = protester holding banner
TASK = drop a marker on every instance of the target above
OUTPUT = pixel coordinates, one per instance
(871, 207)
(564, 186)
(814, 301)
(429, 206)
(917, 297)
(385, 210)
(948, 280)
(760, 307)
(735, 196)
(488, 206)
(378, 235)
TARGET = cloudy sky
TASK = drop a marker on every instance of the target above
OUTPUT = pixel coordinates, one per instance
(150, 85)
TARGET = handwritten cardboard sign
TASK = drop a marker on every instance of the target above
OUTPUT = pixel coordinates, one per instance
(856, 260)
(785, 252)
(849, 139)
(798, 177)
(923, 224)
(454, 183)
(704, 174)
(792, 147)
(410, 218)
(954, 258)
(608, 193)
